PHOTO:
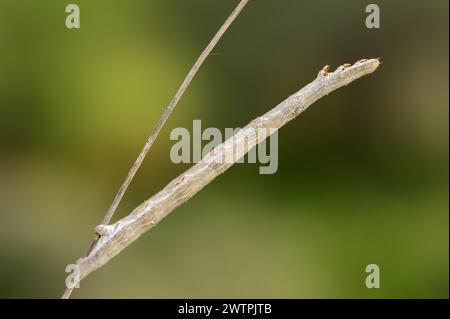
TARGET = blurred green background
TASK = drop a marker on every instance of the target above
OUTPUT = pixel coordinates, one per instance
(362, 178)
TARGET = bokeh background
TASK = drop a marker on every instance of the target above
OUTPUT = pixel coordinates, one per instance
(363, 173)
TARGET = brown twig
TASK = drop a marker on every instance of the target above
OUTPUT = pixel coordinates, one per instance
(116, 237)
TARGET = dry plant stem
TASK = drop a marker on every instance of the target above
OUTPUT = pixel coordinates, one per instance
(154, 134)
(115, 237)
(170, 108)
